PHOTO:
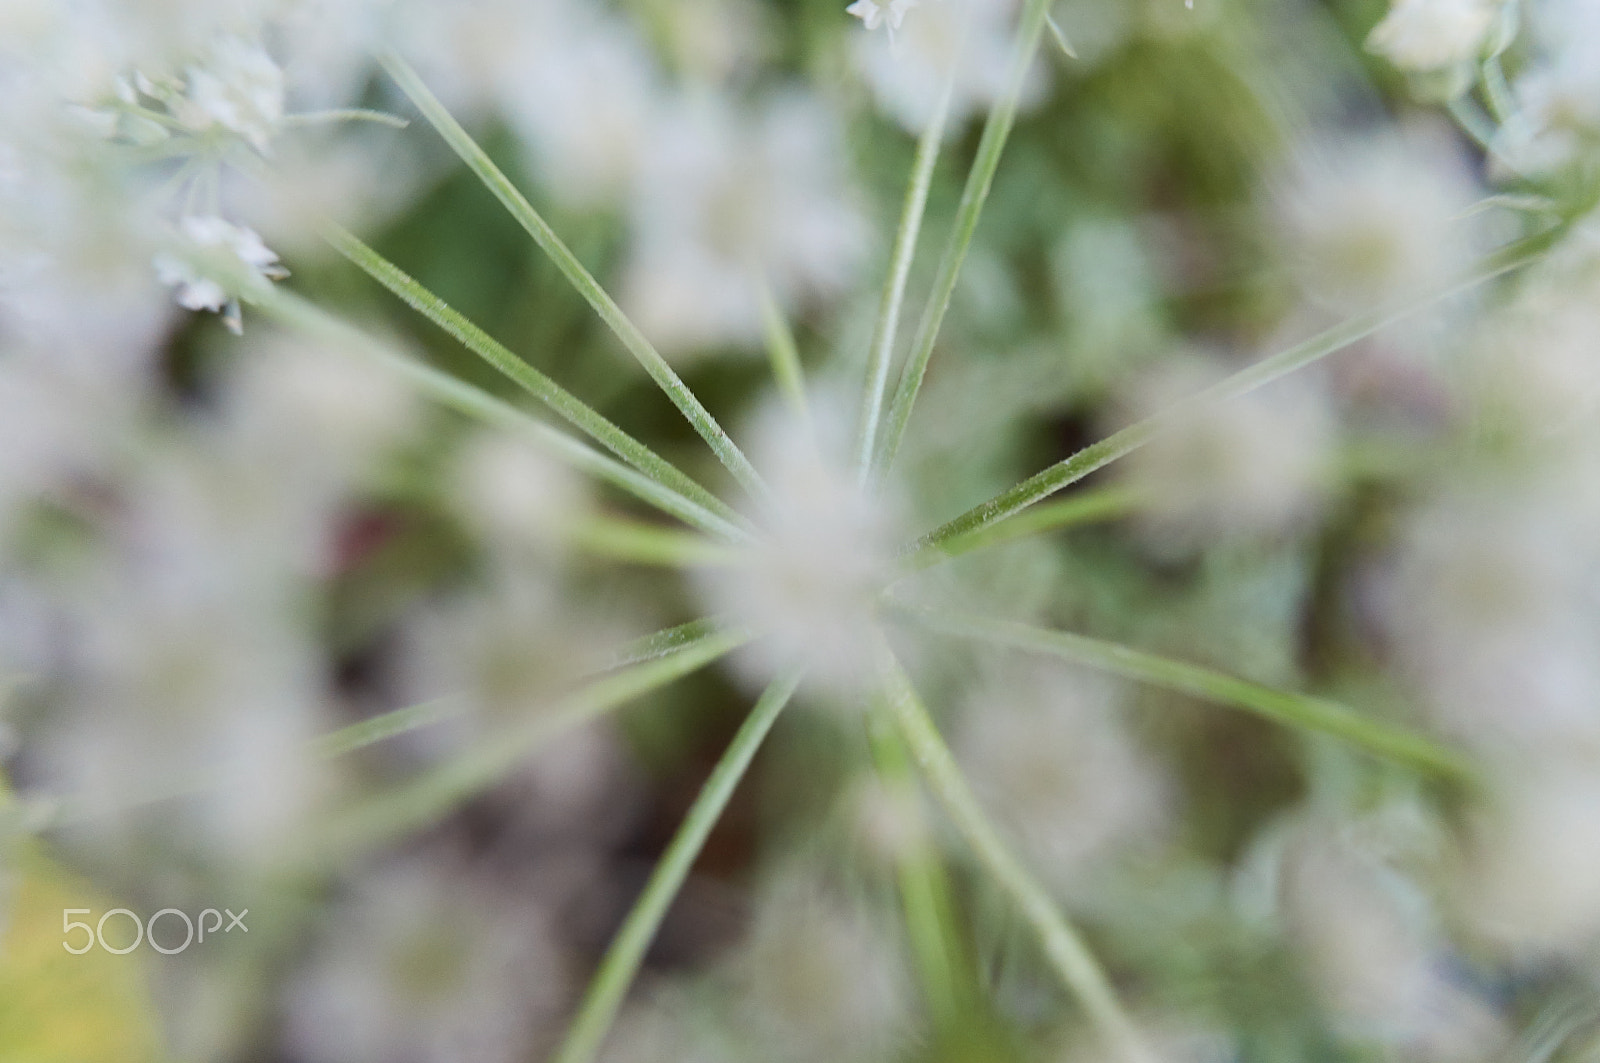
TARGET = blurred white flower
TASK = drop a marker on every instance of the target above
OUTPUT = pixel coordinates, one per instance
(875, 13)
(809, 583)
(1536, 883)
(1256, 464)
(1372, 221)
(238, 87)
(231, 252)
(422, 964)
(968, 42)
(1494, 609)
(1424, 36)
(515, 494)
(1048, 756)
(1373, 950)
(1557, 117)
(584, 95)
(321, 416)
(508, 649)
(671, 1025)
(731, 201)
(820, 978)
(1165, 1039)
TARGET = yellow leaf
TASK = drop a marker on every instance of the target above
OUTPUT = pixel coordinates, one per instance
(56, 1007)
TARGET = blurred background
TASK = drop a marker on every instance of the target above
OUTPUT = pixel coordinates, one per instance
(224, 539)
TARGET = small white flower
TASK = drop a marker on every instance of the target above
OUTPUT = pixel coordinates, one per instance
(215, 240)
(1253, 465)
(734, 198)
(824, 552)
(875, 13)
(1368, 222)
(965, 43)
(1426, 36)
(821, 978)
(239, 88)
(1046, 747)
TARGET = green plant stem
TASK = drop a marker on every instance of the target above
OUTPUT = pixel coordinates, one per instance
(525, 376)
(473, 402)
(621, 963)
(1063, 947)
(1060, 36)
(1496, 93)
(923, 885)
(894, 287)
(1098, 455)
(1084, 507)
(661, 643)
(436, 791)
(1299, 711)
(388, 725)
(642, 350)
(648, 544)
(784, 354)
(345, 114)
(1476, 124)
(995, 132)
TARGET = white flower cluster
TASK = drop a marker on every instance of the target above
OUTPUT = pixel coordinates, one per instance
(1434, 36)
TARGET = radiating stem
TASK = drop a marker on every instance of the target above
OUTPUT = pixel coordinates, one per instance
(995, 132)
(386, 725)
(525, 376)
(1098, 455)
(474, 402)
(436, 791)
(580, 278)
(616, 973)
(784, 354)
(894, 288)
(1300, 711)
(661, 643)
(1065, 950)
(648, 544)
(924, 888)
(1085, 507)
(345, 114)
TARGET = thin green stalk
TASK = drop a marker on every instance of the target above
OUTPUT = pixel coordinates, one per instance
(1300, 711)
(345, 114)
(525, 376)
(661, 643)
(436, 791)
(388, 725)
(1079, 971)
(648, 544)
(580, 278)
(1084, 507)
(1476, 124)
(1098, 455)
(1496, 93)
(1061, 38)
(464, 398)
(995, 132)
(616, 973)
(923, 885)
(894, 287)
(784, 354)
